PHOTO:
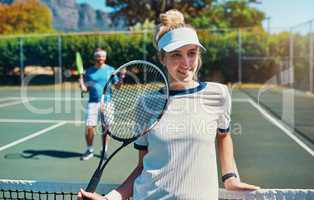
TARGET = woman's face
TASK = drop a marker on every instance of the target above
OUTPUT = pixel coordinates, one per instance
(182, 64)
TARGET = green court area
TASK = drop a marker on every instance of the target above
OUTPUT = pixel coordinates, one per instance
(293, 107)
(42, 138)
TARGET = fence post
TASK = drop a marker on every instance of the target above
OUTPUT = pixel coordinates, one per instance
(311, 35)
(291, 67)
(60, 58)
(239, 57)
(21, 62)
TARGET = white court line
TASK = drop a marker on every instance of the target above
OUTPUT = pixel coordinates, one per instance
(240, 100)
(281, 126)
(44, 98)
(57, 99)
(5, 99)
(255, 105)
(13, 103)
(31, 136)
(39, 121)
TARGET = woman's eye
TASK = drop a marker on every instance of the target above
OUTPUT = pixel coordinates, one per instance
(176, 55)
(192, 54)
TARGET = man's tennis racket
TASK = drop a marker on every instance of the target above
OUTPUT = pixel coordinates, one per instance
(138, 102)
(80, 69)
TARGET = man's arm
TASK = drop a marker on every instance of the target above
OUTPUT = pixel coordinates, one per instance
(82, 84)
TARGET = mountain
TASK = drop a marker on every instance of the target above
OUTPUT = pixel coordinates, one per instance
(71, 16)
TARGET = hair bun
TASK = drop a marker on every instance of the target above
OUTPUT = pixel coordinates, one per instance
(172, 18)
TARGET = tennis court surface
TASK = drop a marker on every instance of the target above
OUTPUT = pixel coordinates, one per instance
(42, 139)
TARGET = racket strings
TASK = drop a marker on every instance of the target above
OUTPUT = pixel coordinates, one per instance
(138, 103)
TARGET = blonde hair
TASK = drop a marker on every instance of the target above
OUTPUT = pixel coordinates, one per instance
(169, 20)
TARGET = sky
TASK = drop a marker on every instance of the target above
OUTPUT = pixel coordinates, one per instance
(97, 4)
(287, 13)
(281, 14)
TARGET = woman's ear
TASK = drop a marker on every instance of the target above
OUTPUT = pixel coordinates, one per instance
(162, 59)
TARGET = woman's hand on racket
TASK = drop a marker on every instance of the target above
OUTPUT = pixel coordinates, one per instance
(90, 195)
(235, 184)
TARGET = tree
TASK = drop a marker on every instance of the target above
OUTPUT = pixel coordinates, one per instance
(25, 16)
(139, 11)
(200, 13)
(230, 14)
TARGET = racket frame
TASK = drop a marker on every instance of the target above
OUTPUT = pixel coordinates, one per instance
(80, 69)
(92, 185)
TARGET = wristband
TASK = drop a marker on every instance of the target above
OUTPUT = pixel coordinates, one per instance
(113, 195)
(227, 176)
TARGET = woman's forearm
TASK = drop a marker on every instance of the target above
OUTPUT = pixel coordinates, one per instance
(225, 151)
(126, 188)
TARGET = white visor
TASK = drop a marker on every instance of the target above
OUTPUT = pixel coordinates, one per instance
(177, 38)
(100, 53)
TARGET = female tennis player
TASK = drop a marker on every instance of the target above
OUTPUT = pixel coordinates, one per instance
(177, 159)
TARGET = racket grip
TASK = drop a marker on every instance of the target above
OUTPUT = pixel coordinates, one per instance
(94, 181)
(82, 94)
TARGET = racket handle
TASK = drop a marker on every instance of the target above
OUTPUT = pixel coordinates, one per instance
(82, 94)
(92, 185)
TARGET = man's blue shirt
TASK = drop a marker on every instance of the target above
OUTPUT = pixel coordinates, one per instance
(96, 79)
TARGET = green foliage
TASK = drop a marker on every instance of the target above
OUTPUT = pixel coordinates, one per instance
(221, 56)
(147, 25)
(138, 11)
(200, 13)
(9, 54)
(27, 16)
(231, 14)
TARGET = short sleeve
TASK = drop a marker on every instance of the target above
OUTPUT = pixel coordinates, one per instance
(224, 117)
(141, 143)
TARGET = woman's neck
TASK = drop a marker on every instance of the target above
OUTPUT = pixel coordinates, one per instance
(183, 85)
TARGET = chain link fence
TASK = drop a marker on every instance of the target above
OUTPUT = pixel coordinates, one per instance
(249, 55)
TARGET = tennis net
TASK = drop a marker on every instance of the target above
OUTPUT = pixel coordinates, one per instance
(26, 189)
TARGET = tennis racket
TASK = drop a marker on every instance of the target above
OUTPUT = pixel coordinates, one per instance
(132, 109)
(80, 69)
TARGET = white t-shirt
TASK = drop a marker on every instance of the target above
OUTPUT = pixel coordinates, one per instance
(181, 158)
